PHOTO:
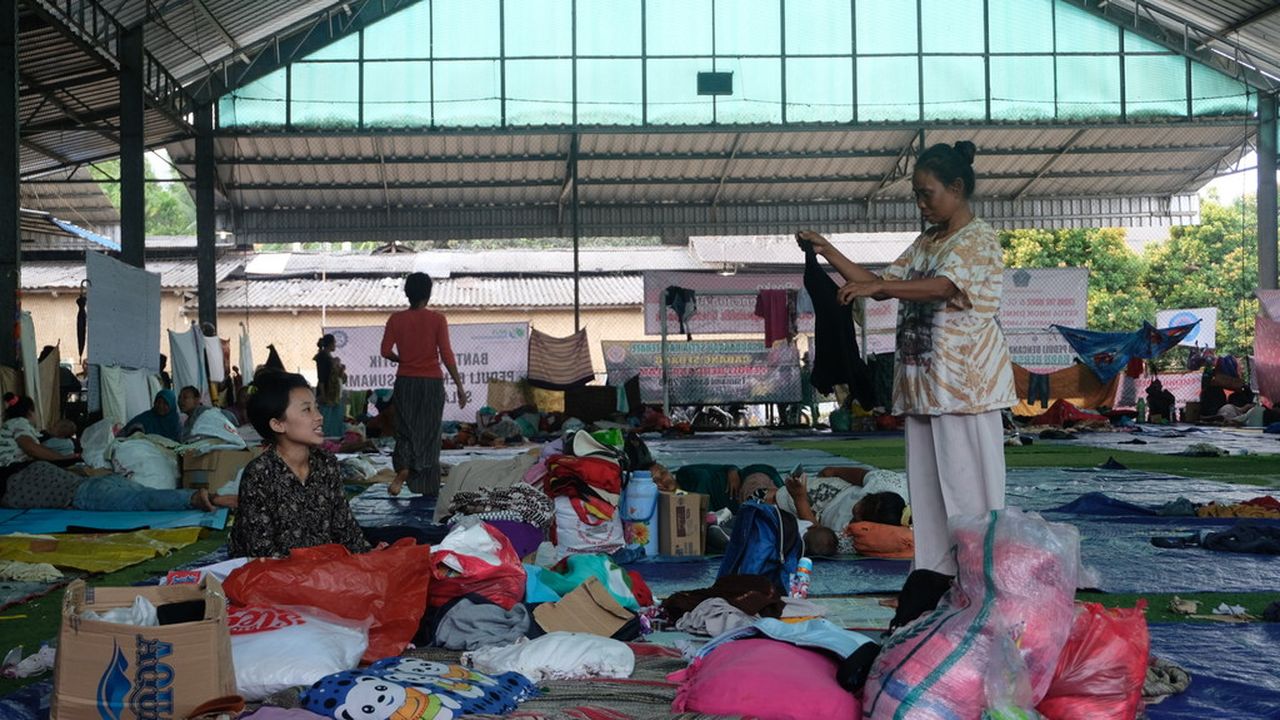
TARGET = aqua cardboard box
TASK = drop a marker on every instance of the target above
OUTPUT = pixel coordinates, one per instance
(111, 671)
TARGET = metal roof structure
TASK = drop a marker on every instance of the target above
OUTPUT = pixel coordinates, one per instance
(67, 275)
(80, 200)
(1245, 32)
(462, 292)
(446, 263)
(694, 166)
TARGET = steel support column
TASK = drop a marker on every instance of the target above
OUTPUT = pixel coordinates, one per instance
(133, 187)
(1267, 192)
(577, 273)
(206, 223)
(10, 223)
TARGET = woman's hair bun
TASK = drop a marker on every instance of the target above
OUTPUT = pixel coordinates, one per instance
(966, 150)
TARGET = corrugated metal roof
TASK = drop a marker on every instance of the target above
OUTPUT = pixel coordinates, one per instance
(63, 275)
(865, 248)
(446, 263)
(466, 292)
(1252, 24)
(80, 200)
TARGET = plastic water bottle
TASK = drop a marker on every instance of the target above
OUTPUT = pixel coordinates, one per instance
(640, 512)
(1142, 410)
(801, 577)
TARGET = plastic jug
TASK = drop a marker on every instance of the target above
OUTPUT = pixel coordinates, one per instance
(640, 512)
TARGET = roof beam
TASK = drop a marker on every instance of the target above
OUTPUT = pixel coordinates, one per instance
(1246, 22)
(1240, 149)
(81, 122)
(566, 189)
(1181, 36)
(901, 164)
(222, 30)
(677, 157)
(659, 181)
(724, 171)
(334, 23)
(1044, 168)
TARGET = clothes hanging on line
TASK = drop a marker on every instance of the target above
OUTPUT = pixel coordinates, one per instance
(685, 304)
(1038, 389)
(778, 308)
(559, 363)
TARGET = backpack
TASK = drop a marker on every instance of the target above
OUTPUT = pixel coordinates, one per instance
(765, 541)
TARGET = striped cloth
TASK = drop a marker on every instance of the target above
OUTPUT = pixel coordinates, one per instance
(559, 363)
(419, 412)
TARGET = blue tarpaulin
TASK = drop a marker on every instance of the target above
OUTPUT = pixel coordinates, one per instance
(1106, 354)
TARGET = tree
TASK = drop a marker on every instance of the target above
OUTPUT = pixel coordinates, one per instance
(1117, 298)
(1213, 264)
(169, 207)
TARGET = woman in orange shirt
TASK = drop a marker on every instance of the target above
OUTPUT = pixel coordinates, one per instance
(417, 340)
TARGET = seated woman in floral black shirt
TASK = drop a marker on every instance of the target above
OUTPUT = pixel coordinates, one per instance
(291, 495)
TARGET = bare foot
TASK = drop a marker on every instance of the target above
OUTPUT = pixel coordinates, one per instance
(226, 501)
(889, 602)
(394, 488)
(200, 500)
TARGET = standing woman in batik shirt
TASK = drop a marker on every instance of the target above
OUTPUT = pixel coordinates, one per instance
(952, 372)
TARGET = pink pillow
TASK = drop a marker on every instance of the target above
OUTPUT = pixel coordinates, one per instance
(766, 679)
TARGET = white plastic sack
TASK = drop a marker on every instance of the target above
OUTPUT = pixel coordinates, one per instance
(147, 463)
(470, 538)
(557, 656)
(213, 424)
(95, 441)
(277, 648)
(141, 614)
(574, 537)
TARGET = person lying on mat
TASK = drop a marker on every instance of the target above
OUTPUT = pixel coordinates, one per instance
(20, 441)
(45, 485)
(30, 481)
(291, 496)
(832, 495)
(728, 486)
(162, 419)
(875, 527)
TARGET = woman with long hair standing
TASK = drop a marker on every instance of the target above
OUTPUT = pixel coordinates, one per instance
(417, 340)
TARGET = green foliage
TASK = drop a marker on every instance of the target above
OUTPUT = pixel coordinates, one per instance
(170, 210)
(1117, 298)
(1213, 264)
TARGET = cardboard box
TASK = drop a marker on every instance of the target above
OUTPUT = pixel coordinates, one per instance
(588, 608)
(682, 524)
(214, 469)
(109, 670)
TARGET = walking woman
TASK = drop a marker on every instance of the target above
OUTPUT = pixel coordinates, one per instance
(331, 375)
(417, 340)
(952, 373)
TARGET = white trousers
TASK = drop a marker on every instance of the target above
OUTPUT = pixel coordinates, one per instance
(955, 466)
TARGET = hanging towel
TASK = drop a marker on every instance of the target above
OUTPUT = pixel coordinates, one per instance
(1038, 389)
(185, 353)
(30, 367)
(213, 351)
(778, 308)
(836, 358)
(51, 389)
(559, 363)
(685, 303)
(246, 356)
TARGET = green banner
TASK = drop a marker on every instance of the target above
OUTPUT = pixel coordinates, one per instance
(708, 372)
